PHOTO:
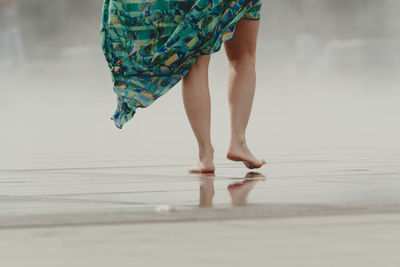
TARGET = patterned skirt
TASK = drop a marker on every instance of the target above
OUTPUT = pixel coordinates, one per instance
(150, 45)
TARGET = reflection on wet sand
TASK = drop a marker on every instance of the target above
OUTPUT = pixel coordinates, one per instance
(238, 191)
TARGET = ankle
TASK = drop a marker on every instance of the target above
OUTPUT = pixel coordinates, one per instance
(206, 152)
(238, 142)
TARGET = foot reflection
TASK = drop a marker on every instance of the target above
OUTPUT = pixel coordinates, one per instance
(206, 190)
(238, 191)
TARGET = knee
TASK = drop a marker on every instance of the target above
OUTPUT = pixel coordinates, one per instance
(202, 62)
(242, 60)
(199, 68)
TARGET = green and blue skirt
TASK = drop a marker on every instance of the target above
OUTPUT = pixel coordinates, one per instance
(150, 45)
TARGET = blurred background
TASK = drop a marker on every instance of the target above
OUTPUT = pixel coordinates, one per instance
(327, 78)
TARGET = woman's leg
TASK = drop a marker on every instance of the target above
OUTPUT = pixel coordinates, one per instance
(241, 53)
(197, 102)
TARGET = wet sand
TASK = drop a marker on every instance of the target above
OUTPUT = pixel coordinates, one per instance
(301, 210)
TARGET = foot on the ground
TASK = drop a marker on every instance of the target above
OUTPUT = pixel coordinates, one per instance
(203, 167)
(242, 153)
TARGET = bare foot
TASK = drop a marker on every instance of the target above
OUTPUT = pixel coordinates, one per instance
(203, 167)
(240, 152)
(206, 161)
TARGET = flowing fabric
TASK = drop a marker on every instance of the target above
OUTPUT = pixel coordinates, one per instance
(150, 45)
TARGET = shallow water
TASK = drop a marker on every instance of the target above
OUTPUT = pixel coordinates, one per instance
(132, 189)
